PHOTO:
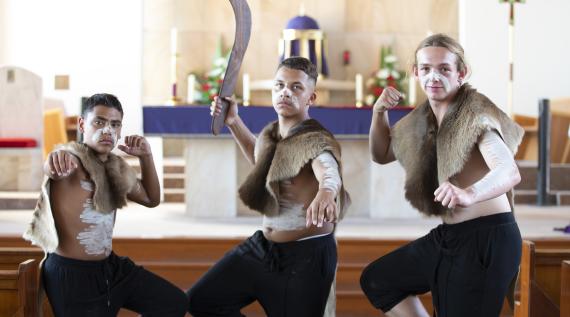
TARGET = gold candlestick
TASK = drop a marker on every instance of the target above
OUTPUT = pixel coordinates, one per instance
(174, 99)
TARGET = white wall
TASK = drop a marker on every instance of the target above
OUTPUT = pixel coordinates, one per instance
(97, 42)
(542, 47)
(2, 28)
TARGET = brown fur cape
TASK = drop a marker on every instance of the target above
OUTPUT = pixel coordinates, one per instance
(432, 156)
(279, 159)
(113, 179)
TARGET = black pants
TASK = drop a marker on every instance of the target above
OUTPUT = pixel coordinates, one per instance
(288, 279)
(467, 266)
(101, 288)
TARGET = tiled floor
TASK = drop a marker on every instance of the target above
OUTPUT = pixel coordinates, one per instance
(169, 220)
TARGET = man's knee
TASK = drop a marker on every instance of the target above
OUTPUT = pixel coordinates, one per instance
(376, 287)
(196, 300)
(192, 303)
(180, 303)
(371, 279)
(176, 301)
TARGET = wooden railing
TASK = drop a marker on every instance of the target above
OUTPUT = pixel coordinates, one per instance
(18, 290)
(540, 281)
(183, 260)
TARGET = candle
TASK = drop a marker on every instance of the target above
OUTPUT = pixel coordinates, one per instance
(173, 53)
(412, 90)
(190, 92)
(245, 86)
(173, 41)
(358, 89)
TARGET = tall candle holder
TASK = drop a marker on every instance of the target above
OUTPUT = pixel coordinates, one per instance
(358, 90)
(246, 91)
(174, 99)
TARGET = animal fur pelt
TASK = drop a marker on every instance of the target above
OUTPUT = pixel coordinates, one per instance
(278, 159)
(113, 179)
(432, 156)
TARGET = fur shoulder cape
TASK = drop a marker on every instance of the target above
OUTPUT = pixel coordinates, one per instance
(431, 156)
(113, 179)
(278, 159)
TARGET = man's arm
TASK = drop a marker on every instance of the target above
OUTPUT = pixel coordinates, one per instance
(323, 207)
(503, 175)
(380, 147)
(147, 189)
(243, 136)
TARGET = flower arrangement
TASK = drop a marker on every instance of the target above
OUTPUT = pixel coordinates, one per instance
(207, 85)
(386, 76)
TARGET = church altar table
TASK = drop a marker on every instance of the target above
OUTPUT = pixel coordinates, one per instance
(215, 167)
(195, 120)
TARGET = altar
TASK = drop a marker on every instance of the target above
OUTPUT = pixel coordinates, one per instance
(215, 167)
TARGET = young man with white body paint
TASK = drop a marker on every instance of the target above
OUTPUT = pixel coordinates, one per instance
(74, 219)
(458, 152)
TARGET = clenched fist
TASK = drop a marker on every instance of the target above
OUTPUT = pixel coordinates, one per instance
(61, 163)
(135, 145)
(389, 98)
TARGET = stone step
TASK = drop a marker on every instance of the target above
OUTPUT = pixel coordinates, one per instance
(174, 165)
(529, 197)
(167, 169)
(173, 169)
(559, 176)
(174, 195)
(173, 177)
(18, 200)
(170, 165)
(174, 181)
(27, 200)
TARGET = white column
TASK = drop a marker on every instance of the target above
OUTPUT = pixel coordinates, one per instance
(387, 198)
(211, 177)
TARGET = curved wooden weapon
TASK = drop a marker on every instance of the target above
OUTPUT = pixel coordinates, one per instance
(243, 30)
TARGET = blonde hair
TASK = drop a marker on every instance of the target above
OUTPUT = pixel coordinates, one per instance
(445, 41)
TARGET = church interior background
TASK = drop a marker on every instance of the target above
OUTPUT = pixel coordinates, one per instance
(55, 53)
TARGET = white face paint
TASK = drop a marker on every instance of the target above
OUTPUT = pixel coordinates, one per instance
(292, 92)
(438, 74)
(97, 136)
(434, 78)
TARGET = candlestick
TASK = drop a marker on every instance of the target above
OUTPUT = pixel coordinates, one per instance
(358, 90)
(412, 90)
(245, 86)
(190, 93)
(174, 100)
(173, 53)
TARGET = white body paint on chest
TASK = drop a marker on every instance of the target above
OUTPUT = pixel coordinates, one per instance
(292, 214)
(97, 237)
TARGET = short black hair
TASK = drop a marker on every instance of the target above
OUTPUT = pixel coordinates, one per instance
(106, 100)
(301, 63)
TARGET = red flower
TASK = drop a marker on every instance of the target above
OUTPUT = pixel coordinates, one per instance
(206, 87)
(377, 91)
(391, 82)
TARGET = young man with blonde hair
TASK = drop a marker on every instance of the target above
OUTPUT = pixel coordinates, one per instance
(458, 150)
